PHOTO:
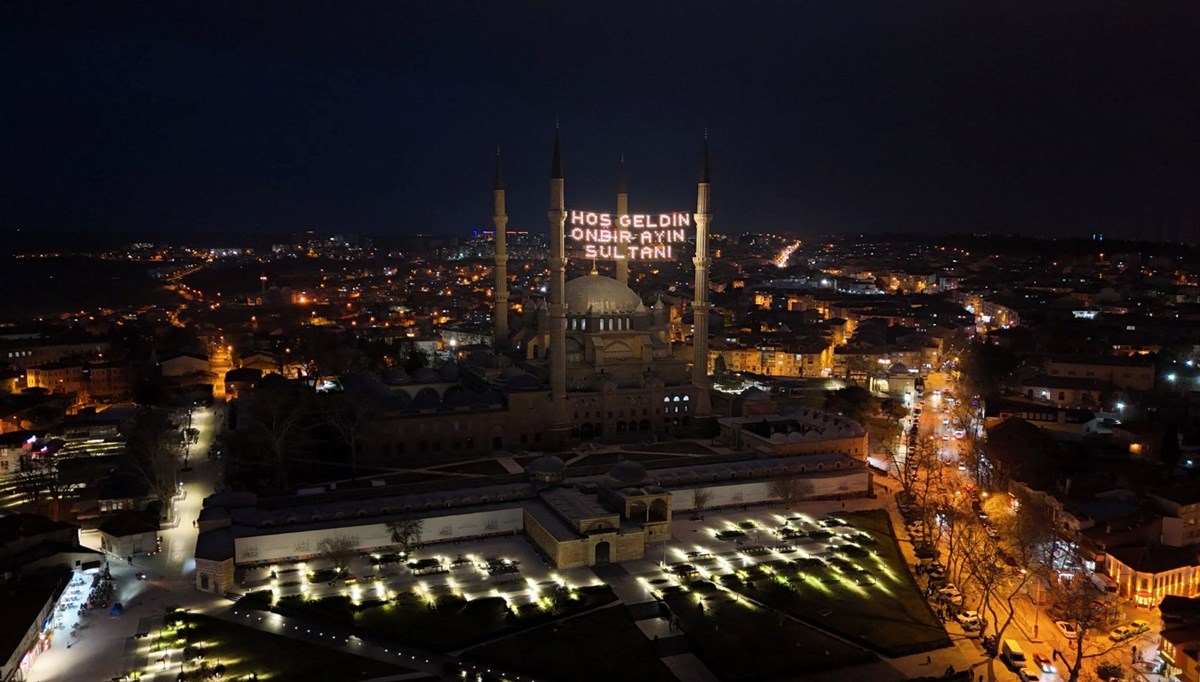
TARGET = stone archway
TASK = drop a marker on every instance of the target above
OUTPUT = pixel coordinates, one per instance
(603, 553)
(658, 510)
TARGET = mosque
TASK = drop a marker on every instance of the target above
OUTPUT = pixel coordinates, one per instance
(592, 361)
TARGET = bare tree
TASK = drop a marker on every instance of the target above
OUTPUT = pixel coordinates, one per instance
(338, 550)
(280, 421)
(38, 480)
(1091, 611)
(790, 490)
(700, 499)
(406, 532)
(1028, 545)
(152, 453)
(349, 416)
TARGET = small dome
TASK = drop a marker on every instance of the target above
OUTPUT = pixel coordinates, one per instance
(523, 383)
(424, 375)
(394, 377)
(480, 359)
(628, 473)
(546, 464)
(754, 394)
(898, 368)
(597, 294)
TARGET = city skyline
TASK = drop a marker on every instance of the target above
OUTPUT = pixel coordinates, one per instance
(824, 120)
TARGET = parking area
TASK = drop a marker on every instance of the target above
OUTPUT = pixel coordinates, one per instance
(508, 568)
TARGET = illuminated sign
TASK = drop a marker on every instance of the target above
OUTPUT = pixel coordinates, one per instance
(634, 236)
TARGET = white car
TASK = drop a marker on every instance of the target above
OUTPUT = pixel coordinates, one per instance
(969, 620)
(1068, 629)
(950, 594)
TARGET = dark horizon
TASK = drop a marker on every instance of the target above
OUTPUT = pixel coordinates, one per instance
(1057, 121)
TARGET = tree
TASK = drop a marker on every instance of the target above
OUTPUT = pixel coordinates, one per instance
(1077, 601)
(37, 479)
(851, 401)
(406, 532)
(348, 415)
(152, 454)
(790, 490)
(1169, 452)
(1029, 542)
(338, 550)
(280, 422)
(700, 499)
(416, 360)
(985, 367)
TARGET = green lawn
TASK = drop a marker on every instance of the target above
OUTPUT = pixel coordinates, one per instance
(891, 616)
(601, 646)
(741, 641)
(243, 650)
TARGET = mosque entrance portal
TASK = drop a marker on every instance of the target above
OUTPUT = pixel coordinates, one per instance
(602, 553)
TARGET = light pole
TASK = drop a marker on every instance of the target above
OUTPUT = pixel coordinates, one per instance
(1037, 605)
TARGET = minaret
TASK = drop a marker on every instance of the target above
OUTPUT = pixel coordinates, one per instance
(557, 310)
(622, 209)
(701, 406)
(500, 297)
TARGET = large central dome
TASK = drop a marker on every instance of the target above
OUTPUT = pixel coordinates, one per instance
(601, 295)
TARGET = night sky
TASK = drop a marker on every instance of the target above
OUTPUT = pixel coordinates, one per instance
(1056, 118)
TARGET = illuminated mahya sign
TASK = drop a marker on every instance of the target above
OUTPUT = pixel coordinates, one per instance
(634, 236)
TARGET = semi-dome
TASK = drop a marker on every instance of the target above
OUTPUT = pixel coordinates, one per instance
(547, 469)
(601, 295)
(627, 473)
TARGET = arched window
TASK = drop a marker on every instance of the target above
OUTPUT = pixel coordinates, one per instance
(676, 398)
(666, 398)
(601, 324)
(687, 398)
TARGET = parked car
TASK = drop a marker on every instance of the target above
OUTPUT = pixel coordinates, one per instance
(969, 620)
(1120, 633)
(925, 550)
(1068, 629)
(950, 594)
(1139, 626)
(1043, 663)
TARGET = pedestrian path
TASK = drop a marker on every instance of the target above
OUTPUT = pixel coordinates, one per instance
(669, 641)
(510, 465)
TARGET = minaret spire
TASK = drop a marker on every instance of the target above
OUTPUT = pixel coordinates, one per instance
(622, 209)
(556, 172)
(701, 406)
(557, 309)
(499, 184)
(500, 295)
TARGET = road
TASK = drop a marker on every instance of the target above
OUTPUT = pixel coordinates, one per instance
(101, 646)
(1032, 627)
